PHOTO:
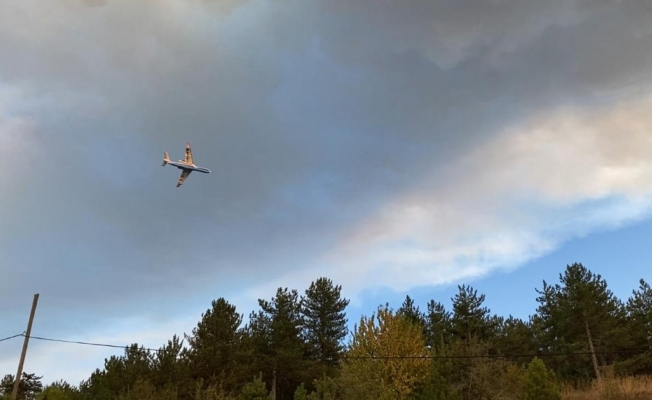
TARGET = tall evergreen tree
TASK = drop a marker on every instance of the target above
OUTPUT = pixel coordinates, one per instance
(214, 345)
(324, 320)
(277, 341)
(639, 311)
(120, 373)
(97, 386)
(438, 324)
(580, 314)
(516, 336)
(639, 323)
(137, 362)
(168, 369)
(29, 386)
(470, 318)
(411, 312)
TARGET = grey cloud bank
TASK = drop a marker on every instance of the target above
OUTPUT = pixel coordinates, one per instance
(318, 119)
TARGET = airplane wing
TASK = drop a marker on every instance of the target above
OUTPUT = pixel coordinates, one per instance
(184, 175)
(189, 154)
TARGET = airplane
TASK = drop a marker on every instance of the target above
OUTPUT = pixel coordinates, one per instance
(186, 166)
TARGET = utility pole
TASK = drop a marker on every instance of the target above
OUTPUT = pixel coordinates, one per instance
(593, 358)
(22, 355)
(272, 395)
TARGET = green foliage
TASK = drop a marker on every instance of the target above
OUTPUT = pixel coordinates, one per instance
(639, 324)
(6, 385)
(579, 307)
(438, 385)
(438, 325)
(212, 392)
(541, 383)
(326, 388)
(255, 390)
(54, 393)
(144, 390)
(495, 378)
(473, 375)
(120, 374)
(410, 311)
(470, 318)
(28, 387)
(514, 337)
(639, 310)
(59, 390)
(324, 320)
(301, 393)
(214, 346)
(166, 367)
(276, 335)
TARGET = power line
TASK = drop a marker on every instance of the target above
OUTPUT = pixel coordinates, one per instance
(11, 337)
(491, 355)
(84, 343)
(377, 357)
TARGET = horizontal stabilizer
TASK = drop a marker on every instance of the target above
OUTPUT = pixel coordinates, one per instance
(166, 158)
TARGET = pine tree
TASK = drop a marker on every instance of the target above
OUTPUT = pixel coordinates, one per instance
(120, 373)
(326, 388)
(29, 386)
(439, 385)
(541, 383)
(278, 343)
(301, 393)
(639, 324)
(580, 314)
(214, 345)
(639, 311)
(98, 385)
(324, 320)
(411, 312)
(254, 390)
(168, 368)
(137, 363)
(438, 325)
(470, 318)
(516, 336)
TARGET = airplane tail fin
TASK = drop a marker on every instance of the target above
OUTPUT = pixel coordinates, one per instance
(166, 158)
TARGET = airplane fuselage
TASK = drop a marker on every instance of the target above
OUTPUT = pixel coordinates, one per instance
(191, 167)
(186, 165)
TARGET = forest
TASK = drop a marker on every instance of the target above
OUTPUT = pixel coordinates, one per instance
(582, 342)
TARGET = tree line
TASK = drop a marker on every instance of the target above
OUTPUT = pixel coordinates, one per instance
(295, 347)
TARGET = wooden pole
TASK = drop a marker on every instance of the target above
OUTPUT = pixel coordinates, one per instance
(14, 395)
(593, 358)
(272, 395)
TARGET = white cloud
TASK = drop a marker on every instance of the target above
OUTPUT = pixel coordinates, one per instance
(560, 174)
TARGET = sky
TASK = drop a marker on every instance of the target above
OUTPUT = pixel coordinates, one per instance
(394, 147)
